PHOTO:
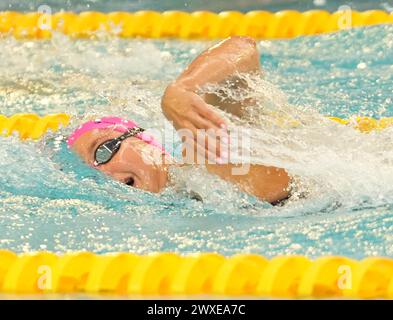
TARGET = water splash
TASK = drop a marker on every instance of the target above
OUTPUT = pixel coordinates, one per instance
(50, 200)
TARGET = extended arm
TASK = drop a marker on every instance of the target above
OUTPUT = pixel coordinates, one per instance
(188, 110)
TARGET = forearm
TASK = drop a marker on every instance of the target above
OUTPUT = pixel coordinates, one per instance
(236, 54)
(267, 183)
(187, 108)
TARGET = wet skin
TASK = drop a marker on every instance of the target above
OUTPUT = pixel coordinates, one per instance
(136, 164)
(183, 106)
(143, 166)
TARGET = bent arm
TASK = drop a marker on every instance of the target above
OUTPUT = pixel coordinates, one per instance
(217, 64)
(187, 109)
(235, 54)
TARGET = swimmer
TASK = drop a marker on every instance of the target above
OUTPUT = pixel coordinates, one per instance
(119, 148)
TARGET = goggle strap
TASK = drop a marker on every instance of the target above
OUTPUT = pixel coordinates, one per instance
(132, 132)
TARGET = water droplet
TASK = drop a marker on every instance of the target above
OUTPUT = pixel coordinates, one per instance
(362, 65)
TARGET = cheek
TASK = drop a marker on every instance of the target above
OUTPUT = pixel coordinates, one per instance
(142, 153)
(150, 155)
(131, 160)
(137, 158)
(129, 157)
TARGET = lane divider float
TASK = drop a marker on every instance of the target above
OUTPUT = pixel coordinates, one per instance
(33, 126)
(184, 25)
(170, 274)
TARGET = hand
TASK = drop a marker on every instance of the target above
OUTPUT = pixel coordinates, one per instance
(187, 110)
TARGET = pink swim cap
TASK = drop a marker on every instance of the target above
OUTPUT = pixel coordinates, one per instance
(118, 124)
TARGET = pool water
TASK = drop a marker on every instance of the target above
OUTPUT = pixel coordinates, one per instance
(194, 5)
(50, 200)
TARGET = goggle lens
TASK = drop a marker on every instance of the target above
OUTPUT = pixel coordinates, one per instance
(106, 151)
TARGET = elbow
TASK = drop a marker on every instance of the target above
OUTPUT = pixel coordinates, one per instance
(243, 41)
(247, 55)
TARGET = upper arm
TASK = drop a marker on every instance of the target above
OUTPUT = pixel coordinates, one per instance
(247, 62)
(245, 52)
(217, 64)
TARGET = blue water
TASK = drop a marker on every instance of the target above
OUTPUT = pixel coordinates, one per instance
(50, 200)
(193, 5)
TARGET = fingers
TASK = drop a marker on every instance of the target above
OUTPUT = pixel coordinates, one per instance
(203, 123)
(202, 128)
(207, 119)
(195, 153)
(219, 134)
(216, 141)
(205, 145)
(207, 112)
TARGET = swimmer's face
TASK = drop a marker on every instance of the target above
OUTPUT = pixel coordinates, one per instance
(135, 164)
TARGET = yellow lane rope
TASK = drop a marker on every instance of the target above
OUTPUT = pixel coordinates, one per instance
(32, 126)
(184, 25)
(204, 273)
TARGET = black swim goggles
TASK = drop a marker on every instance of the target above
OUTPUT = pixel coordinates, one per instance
(105, 151)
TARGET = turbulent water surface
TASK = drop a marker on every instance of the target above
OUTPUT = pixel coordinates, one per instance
(50, 200)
